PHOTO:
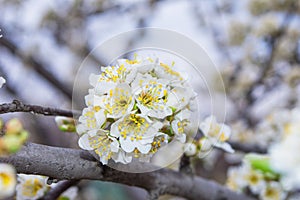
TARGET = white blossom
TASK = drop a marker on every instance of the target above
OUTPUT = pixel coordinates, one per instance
(181, 124)
(91, 118)
(217, 133)
(103, 144)
(31, 187)
(283, 162)
(7, 180)
(273, 191)
(151, 100)
(135, 131)
(235, 179)
(118, 102)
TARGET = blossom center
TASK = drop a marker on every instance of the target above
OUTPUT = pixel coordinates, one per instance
(134, 125)
(6, 179)
(31, 187)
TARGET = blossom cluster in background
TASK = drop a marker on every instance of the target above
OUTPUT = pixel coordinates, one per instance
(135, 108)
(274, 175)
(256, 177)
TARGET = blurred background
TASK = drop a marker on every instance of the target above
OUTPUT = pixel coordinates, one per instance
(255, 44)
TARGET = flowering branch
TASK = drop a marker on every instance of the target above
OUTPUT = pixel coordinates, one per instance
(17, 106)
(72, 164)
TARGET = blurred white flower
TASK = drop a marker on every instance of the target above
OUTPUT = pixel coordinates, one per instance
(235, 179)
(135, 108)
(2, 81)
(282, 160)
(254, 179)
(216, 133)
(245, 176)
(31, 187)
(7, 180)
(272, 191)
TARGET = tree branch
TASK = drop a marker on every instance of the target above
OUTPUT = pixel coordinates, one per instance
(248, 148)
(17, 106)
(72, 164)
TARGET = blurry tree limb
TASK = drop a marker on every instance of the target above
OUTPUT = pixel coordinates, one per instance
(17, 106)
(38, 67)
(248, 148)
(72, 164)
(61, 187)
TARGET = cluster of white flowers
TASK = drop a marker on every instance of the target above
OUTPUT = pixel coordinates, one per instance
(8, 180)
(134, 108)
(281, 153)
(277, 173)
(257, 180)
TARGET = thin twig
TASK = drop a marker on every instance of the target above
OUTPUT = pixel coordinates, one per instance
(17, 106)
(60, 188)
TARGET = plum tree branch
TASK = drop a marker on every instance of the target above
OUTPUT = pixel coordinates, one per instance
(72, 164)
(17, 106)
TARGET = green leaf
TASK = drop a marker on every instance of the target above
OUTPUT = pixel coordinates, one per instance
(262, 163)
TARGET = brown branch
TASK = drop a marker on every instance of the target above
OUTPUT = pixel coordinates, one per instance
(61, 187)
(72, 164)
(17, 106)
